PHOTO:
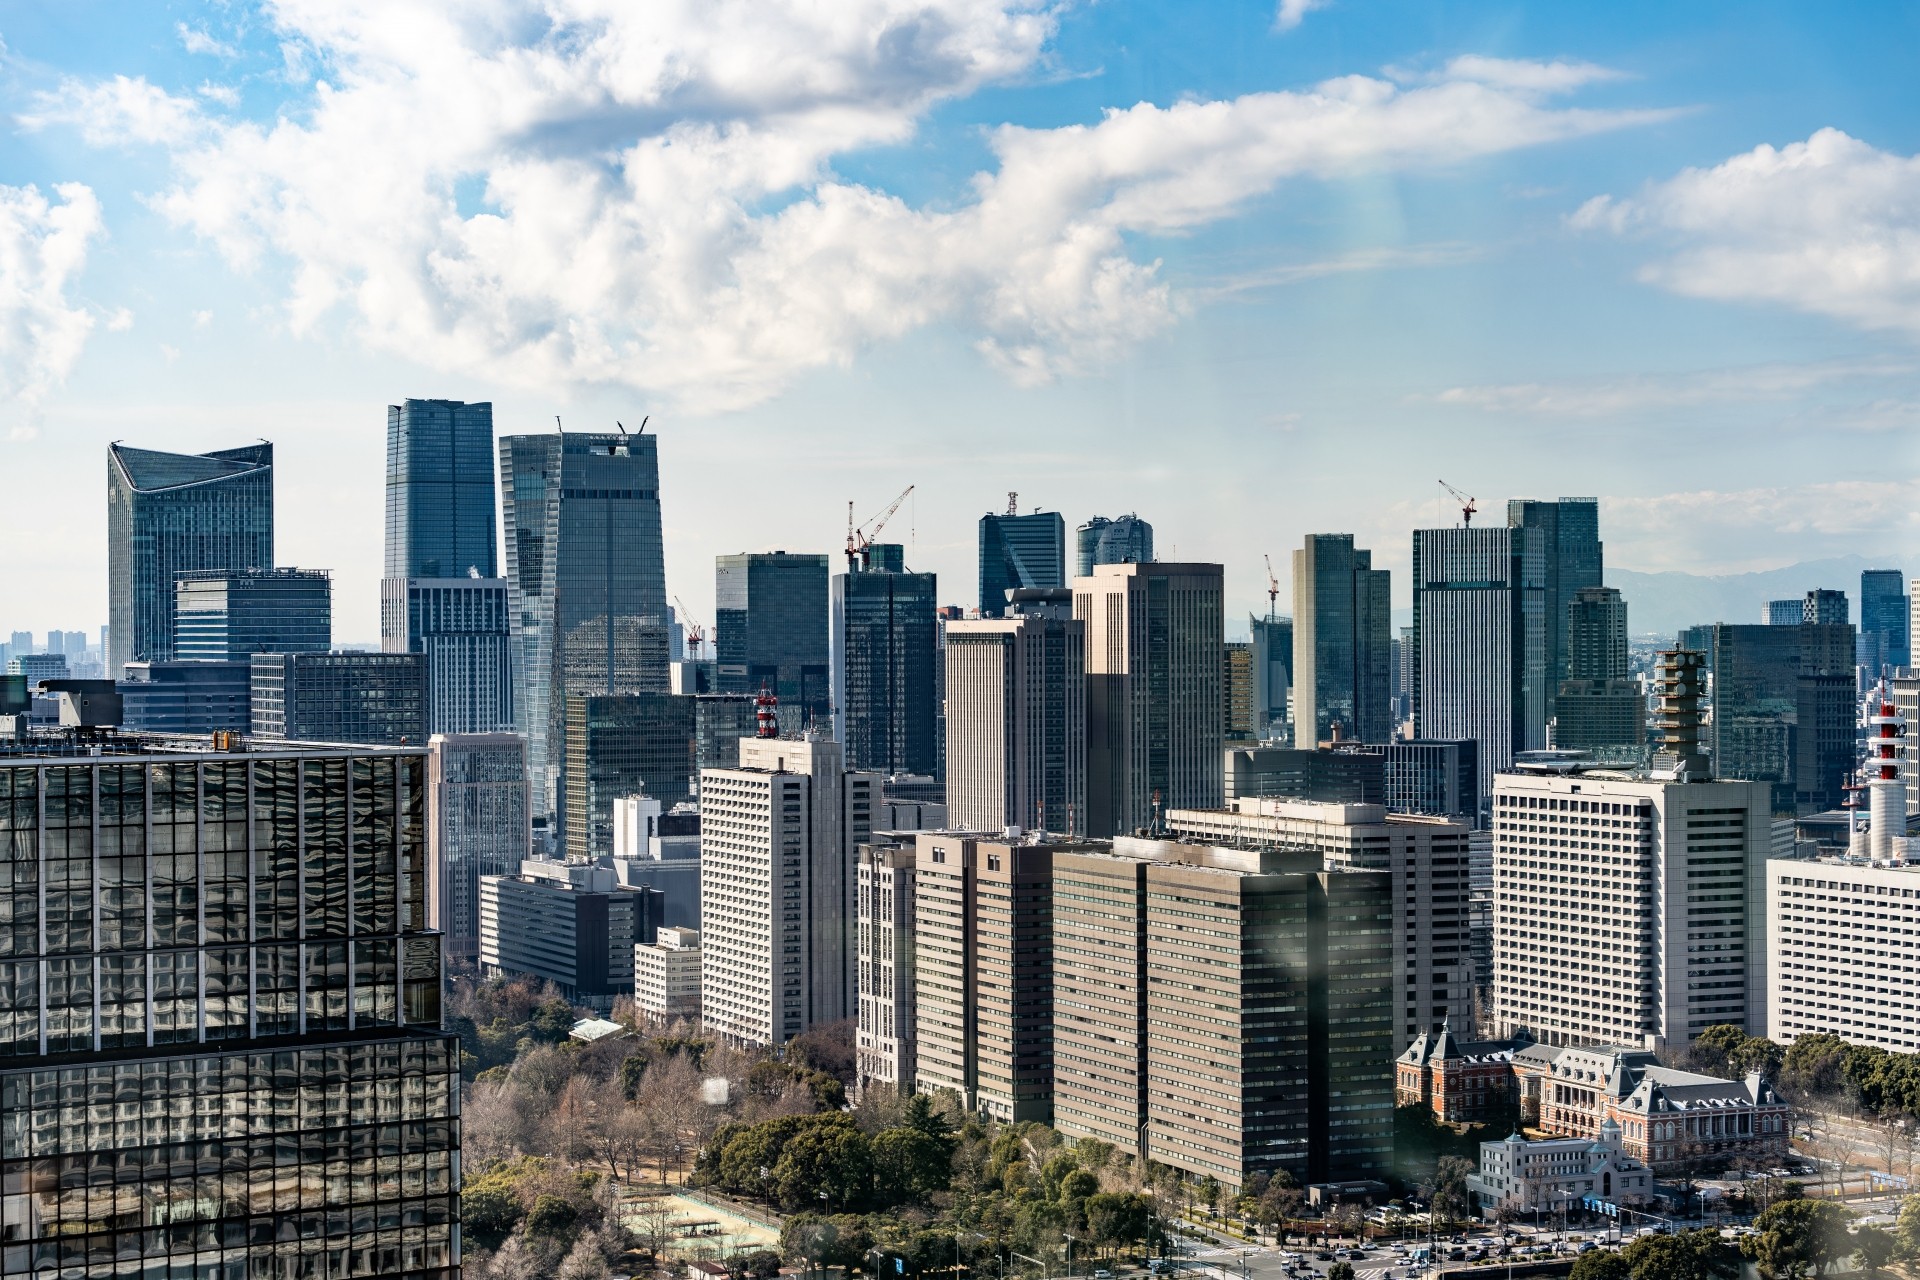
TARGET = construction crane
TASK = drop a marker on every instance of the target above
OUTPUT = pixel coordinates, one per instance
(1467, 506)
(1273, 592)
(860, 538)
(696, 634)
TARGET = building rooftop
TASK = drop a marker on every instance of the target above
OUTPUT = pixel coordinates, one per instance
(56, 743)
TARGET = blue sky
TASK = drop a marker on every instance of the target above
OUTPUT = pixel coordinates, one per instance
(1250, 278)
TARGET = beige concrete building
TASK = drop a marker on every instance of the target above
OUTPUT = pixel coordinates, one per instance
(1100, 996)
(1016, 695)
(883, 897)
(1155, 701)
(1428, 859)
(1558, 1174)
(1844, 952)
(666, 975)
(777, 845)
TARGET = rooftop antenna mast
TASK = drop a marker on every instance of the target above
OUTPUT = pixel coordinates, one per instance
(1013, 502)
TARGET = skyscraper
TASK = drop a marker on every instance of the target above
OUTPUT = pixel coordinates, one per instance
(779, 836)
(770, 630)
(1155, 701)
(1272, 677)
(883, 650)
(339, 697)
(1016, 718)
(1825, 607)
(1561, 557)
(1469, 638)
(618, 745)
(1124, 540)
(477, 825)
(1598, 708)
(1237, 691)
(1783, 710)
(1342, 651)
(586, 583)
(1885, 641)
(235, 947)
(1020, 551)
(170, 513)
(228, 615)
(440, 593)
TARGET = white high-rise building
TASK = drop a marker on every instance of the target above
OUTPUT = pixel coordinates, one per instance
(1627, 909)
(1429, 860)
(1016, 717)
(778, 837)
(478, 824)
(1156, 723)
(1843, 951)
(883, 1038)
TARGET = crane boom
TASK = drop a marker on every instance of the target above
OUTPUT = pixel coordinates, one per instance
(1466, 501)
(860, 538)
(1273, 591)
(696, 634)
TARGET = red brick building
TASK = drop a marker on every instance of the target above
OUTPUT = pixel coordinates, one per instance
(1461, 1081)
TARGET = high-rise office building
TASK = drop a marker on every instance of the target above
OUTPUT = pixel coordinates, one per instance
(1827, 608)
(1100, 996)
(1599, 708)
(883, 1034)
(1469, 644)
(220, 996)
(339, 697)
(1272, 678)
(171, 513)
(1778, 613)
(569, 923)
(1628, 910)
(477, 825)
(882, 653)
(1427, 858)
(1123, 540)
(779, 836)
(186, 697)
(720, 720)
(1016, 718)
(619, 745)
(1154, 696)
(770, 631)
(228, 615)
(1236, 684)
(1020, 552)
(1561, 556)
(587, 592)
(462, 628)
(1270, 1027)
(1783, 711)
(1342, 655)
(1885, 637)
(1840, 951)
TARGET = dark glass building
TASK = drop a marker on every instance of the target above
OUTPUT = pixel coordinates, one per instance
(221, 1051)
(226, 615)
(1560, 556)
(1598, 707)
(619, 745)
(171, 513)
(186, 697)
(1342, 643)
(1783, 711)
(1885, 642)
(884, 650)
(720, 720)
(1272, 676)
(586, 585)
(1825, 607)
(340, 697)
(770, 630)
(1019, 551)
(1125, 540)
(460, 626)
(440, 494)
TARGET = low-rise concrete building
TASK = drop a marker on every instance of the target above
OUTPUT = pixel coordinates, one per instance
(666, 975)
(567, 923)
(1559, 1174)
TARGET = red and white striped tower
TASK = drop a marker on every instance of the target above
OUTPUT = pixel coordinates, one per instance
(766, 716)
(1886, 796)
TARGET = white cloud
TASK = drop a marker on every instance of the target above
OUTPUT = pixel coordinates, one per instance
(194, 40)
(1638, 393)
(1292, 12)
(120, 321)
(117, 111)
(43, 246)
(1733, 531)
(1830, 225)
(201, 319)
(224, 94)
(1533, 77)
(587, 191)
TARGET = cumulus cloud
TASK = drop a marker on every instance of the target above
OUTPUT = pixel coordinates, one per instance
(117, 111)
(43, 246)
(1533, 77)
(1830, 225)
(1639, 393)
(194, 40)
(590, 191)
(1293, 12)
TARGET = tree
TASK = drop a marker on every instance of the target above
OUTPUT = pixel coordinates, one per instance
(825, 1163)
(1600, 1264)
(1687, 1255)
(1340, 1271)
(909, 1165)
(1907, 1229)
(1799, 1238)
(583, 1262)
(552, 1022)
(489, 1211)
(1118, 1219)
(1447, 1189)
(551, 1217)
(1813, 1065)
(1873, 1248)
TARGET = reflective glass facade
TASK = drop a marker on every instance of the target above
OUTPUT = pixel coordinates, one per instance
(1126, 540)
(168, 513)
(1020, 551)
(1562, 557)
(227, 616)
(885, 650)
(340, 697)
(220, 1052)
(618, 746)
(440, 495)
(1884, 631)
(771, 630)
(1783, 710)
(586, 583)
(461, 626)
(1343, 643)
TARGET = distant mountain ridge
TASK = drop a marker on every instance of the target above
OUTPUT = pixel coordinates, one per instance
(1666, 602)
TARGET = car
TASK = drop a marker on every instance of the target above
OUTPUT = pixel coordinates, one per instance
(1587, 1246)
(1325, 1255)
(1156, 1266)
(1103, 1274)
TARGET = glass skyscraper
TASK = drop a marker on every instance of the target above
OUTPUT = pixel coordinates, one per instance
(225, 615)
(1885, 641)
(1020, 551)
(1783, 710)
(885, 707)
(440, 595)
(1342, 643)
(620, 745)
(587, 588)
(1562, 556)
(770, 629)
(1125, 540)
(171, 513)
(339, 697)
(1469, 645)
(221, 1051)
